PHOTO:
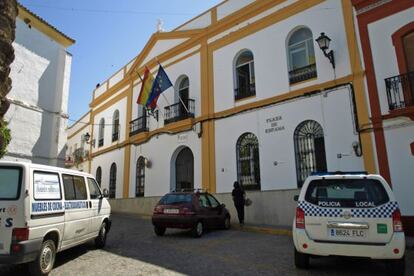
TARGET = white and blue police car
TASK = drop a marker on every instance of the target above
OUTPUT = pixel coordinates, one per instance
(348, 214)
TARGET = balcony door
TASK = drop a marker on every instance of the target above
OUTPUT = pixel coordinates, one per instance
(184, 94)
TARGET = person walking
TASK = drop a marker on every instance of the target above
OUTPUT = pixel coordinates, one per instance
(239, 194)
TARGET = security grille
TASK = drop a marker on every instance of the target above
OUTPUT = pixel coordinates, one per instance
(310, 150)
(248, 165)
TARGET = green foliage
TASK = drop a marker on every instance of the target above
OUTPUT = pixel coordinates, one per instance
(5, 138)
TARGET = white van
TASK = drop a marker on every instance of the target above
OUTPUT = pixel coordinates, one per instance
(44, 210)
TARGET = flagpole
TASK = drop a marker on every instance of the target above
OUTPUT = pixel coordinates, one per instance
(178, 94)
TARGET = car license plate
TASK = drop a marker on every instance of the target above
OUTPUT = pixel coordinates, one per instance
(171, 211)
(347, 233)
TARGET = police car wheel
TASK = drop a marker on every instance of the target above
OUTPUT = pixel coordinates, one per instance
(100, 240)
(395, 267)
(45, 260)
(301, 260)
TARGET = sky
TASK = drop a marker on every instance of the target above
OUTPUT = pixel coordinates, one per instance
(108, 34)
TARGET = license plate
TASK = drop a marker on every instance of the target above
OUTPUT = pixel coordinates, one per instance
(171, 211)
(347, 233)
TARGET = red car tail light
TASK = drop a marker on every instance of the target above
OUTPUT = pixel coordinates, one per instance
(158, 210)
(397, 222)
(187, 211)
(300, 218)
(20, 234)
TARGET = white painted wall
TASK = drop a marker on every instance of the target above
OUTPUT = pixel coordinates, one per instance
(201, 22)
(40, 75)
(270, 55)
(399, 134)
(107, 114)
(383, 51)
(116, 78)
(105, 161)
(332, 112)
(230, 7)
(159, 179)
(162, 46)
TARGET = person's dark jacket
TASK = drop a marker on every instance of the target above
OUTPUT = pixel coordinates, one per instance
(238, 196)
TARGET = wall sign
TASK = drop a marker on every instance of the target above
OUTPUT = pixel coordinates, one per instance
(274, 124)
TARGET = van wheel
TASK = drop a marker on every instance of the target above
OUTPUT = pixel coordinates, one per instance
(301, 260)
(100, 240)
(395, 267)
(45, 261)
(159, 231)
(197, 230)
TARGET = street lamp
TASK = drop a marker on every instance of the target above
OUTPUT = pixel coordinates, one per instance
(87, 136)
(323, 42)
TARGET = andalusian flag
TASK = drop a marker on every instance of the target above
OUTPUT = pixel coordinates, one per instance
(145, 88)
(161, 83)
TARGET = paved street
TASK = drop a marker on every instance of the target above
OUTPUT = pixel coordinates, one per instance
(133, 249)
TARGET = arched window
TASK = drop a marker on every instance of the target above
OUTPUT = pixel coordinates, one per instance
(244, 73)
(140, 177)
(310, 150)
(248, 164)
(115, 126)
(184, 94)
(112, 181)
(301, 56)
(99, 176)
(101, 132)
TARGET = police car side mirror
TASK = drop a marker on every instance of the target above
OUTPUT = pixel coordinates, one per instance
(105, 192)
(296, 197)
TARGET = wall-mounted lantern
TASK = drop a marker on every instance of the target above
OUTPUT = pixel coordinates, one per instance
(87, 136)
(323, 42)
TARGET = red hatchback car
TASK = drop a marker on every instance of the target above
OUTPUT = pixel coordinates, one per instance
(189, 210)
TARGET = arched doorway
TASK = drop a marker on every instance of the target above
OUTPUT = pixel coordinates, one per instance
(184, 170)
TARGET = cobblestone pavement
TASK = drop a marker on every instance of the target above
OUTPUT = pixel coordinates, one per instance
(133, 249)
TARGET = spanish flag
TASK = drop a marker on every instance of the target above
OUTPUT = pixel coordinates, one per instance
(146, 88)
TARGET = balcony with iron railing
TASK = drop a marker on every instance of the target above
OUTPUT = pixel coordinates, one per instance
(177, 112)
(400, 91)
(245, 92)
(80, 155)
(302, 74)
(138, 125)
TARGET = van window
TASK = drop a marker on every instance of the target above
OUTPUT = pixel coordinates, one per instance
(94, 191)
(347, 193)
(46, 186)
(10, 181)
(75, 188)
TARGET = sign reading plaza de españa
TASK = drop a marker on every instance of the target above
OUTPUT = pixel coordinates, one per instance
(274, 124)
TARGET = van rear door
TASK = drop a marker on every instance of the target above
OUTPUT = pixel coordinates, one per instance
(348, 211)
(11, 204)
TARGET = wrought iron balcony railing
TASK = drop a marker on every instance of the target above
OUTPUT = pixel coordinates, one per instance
(115, 136)
(400, 91)
(302, 74)
(244, 92)
(177, 112)
(138, 125)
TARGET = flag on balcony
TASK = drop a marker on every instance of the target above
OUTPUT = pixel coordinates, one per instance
(161, 83)
(145, 88)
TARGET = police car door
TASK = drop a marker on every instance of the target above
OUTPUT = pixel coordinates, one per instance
(77, 215)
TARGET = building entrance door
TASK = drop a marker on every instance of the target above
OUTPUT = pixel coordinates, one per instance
(184, 170)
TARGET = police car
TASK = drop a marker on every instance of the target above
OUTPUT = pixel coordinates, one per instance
(348, 214)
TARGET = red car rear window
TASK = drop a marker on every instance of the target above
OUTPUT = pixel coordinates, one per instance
(175, 199)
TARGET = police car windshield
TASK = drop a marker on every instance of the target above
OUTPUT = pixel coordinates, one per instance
(175, 199)
(348, 193)
(10, 181)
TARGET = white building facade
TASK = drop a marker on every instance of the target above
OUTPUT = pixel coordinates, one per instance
(40, 73)
(386, 33)
(263, 105)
